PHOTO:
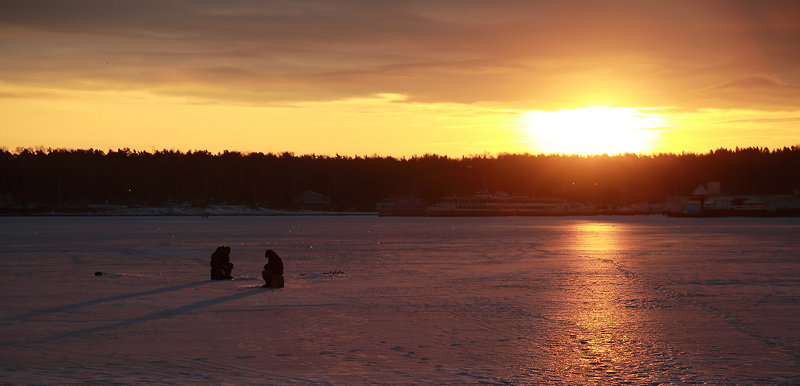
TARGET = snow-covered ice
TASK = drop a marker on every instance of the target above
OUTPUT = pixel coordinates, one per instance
(401, 300)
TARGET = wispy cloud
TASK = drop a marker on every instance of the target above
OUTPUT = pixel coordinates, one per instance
(396, 77)
(519, 52)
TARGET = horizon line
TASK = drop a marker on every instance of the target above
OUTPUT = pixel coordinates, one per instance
(153, 151)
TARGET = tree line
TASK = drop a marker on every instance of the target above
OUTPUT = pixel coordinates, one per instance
(76, 178)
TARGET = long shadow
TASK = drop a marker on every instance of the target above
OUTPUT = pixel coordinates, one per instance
(107, 299)
(157, 315)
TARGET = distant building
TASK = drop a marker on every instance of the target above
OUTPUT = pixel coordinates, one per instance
(497, 204)
(708, 202)
(700, 193)
(786, 202)
(694, 205)
(401, 206)
(309, 199)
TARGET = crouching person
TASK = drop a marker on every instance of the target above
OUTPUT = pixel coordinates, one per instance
(221, 266)
(273, 270)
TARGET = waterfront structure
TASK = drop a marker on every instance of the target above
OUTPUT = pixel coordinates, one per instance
(498, 204)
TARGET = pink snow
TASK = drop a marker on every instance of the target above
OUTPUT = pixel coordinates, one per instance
(401, 300)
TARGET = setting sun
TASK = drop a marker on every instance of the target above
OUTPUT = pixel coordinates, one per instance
(592, 130)
(400, 79)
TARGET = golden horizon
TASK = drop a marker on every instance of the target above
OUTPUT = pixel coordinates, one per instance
(490, 78)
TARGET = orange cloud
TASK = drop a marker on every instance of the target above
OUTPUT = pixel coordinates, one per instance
(516, 55)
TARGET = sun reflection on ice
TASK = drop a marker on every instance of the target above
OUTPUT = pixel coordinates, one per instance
(603, 340)
(597, 237)
(598, 314)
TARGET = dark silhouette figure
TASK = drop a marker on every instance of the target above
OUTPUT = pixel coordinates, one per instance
(221, 264)
(273, 270)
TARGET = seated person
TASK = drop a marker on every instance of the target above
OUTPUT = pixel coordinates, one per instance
(274, 267)
(221, 266)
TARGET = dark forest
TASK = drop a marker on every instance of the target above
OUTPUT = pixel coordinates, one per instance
(58, 178)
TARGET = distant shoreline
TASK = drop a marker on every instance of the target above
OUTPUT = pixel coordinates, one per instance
(221, 210)
(253, 212)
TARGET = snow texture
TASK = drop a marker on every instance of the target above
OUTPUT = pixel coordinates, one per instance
(401, 300)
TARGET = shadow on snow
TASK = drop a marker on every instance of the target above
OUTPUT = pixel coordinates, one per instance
(160, 314)
(68, 307)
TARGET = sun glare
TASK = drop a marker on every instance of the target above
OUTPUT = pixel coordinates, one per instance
(592, 130)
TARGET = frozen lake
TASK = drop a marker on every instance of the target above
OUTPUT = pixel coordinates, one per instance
(421, 300)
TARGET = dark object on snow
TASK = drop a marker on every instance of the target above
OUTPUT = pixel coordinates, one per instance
(221, 266)
(272, 281)
(273, 270)
(98, 273)
(274, 262)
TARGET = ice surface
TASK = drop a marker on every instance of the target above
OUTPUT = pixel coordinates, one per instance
(401, 300)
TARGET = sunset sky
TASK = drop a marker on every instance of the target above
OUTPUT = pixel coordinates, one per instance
(400, 78)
